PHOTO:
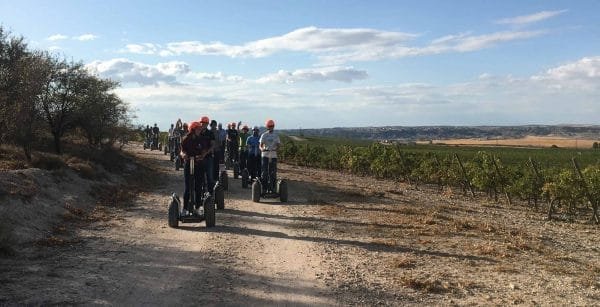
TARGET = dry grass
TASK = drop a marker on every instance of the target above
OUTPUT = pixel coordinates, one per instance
(404, 262)
(47, 161)
(12, 158)
(84, 168)
(427, 285)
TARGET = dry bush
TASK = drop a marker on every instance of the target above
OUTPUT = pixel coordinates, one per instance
(115, 196)
(84, 168)
(47, 161)
(492, 249)
(12, 158)
(428, 285)
(404, 262)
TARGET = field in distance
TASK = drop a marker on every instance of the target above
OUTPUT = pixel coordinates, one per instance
(528, 141)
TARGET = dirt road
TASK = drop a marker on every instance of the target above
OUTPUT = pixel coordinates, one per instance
(340, 240)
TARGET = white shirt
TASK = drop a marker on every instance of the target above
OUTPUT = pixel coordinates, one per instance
(271, 141)
(171, 132)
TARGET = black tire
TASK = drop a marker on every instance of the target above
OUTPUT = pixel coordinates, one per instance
(245, 179)
(256, 189)
(174, 214)
(219, 197)
(224, 181)
(236, 170)
(282, 189)
(209, 211)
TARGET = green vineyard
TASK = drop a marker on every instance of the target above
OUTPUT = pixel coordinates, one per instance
(565, 181)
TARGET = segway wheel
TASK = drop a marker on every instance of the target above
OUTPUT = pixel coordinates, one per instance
(236, 170)
(174, 214)
(209, 211)
(256, 189)
(282, 189)
(219, 197)
(224, 180)
(245, 179)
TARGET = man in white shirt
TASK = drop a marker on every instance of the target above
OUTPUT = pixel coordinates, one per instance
(269, 143)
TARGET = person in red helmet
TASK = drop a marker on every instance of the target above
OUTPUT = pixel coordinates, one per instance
(209, 138)
(269, 144)
(197, 145)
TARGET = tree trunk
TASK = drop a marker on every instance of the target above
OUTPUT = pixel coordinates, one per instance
(27, 151)
(57, 146)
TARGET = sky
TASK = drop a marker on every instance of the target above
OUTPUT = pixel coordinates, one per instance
(329, 63)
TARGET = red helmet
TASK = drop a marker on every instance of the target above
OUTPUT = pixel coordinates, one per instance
(193, 125)
(245, 128)
(270, 123)
(205, 120)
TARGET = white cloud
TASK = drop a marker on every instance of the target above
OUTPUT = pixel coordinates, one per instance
(565, 93)
(85, 37)
(342, 74)
(146, 48)
(338, 46)
(57, 37)
(54, 48)
(128, 71)
(219, 76)
(309, 39)
(527, 19)
(582, 74)
(449, 43)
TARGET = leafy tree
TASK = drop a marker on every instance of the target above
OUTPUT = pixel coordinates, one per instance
(62, 93)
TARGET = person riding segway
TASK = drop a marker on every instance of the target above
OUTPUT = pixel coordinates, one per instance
(233, 139)
(155, 133)
(196, 196)
(244, 135)
(268, 186)
(254, 156)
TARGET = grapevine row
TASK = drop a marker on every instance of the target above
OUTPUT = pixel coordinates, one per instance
(568, 191)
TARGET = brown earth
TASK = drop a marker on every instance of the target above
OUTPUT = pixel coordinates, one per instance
(340, 240)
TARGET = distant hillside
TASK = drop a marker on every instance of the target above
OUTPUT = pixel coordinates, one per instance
(449, 132)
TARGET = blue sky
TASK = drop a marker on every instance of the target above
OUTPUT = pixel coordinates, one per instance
(330, 63)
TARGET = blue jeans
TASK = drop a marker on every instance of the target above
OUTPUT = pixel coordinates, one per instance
(269, 173)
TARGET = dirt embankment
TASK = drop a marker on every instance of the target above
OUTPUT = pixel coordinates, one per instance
(340, 240)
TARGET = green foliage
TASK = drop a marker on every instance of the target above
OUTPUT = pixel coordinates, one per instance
(520, 173)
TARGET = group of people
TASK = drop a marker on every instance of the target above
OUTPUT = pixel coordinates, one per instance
(208, 144)
(152, 134)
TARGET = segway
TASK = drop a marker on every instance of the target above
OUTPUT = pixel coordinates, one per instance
(147, 143)
(203, 209)
(270, 189)
(223, 179)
